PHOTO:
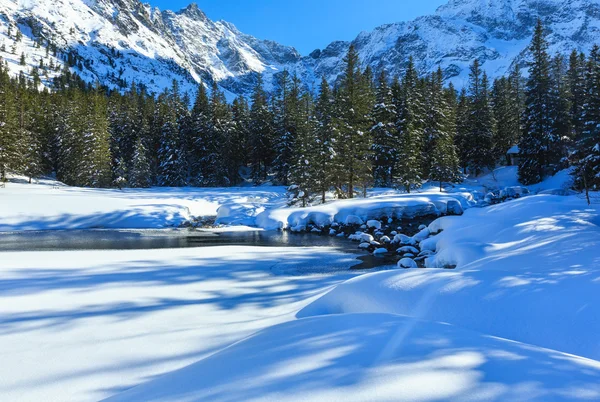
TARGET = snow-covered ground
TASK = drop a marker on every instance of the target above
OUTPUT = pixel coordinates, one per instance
(50, 205)
(517, 319)
(85, 325)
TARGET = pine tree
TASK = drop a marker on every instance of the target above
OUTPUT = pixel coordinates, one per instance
(10, 153)
(384, 133)
(587, 155)
(463, 129)
(507, 114)
(560, 113)
(96, 139)
(440, 128)
(326, 143)
(285, 104)
(217, 156)
(536, 148)
(171, 170)
(409, 123)
(239, 139)
(197, 135)
(261, 133)
(577, 93)
(140, 175)
(354, 103)
(303, 172)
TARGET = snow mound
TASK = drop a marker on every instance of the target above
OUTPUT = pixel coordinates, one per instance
(359, 357)
(358, 211)
(526, 270)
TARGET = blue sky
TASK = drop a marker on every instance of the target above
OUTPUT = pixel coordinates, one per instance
(307, 24)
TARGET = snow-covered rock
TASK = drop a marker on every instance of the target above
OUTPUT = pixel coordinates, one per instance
(407, 249)
(380, 251)
(374, 224)
(353, 220)
(407, 263)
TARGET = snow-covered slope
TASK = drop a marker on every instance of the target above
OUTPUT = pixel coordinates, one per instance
(128, 40)
(495, 31)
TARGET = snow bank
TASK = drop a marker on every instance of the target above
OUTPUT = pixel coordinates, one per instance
(397, 206)
(375, 357)
(55, 206)
(526, 270)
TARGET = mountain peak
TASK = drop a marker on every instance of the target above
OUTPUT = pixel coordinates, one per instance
(193, 11)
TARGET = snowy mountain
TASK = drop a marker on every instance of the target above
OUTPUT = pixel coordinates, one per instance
(495, 31)
(119, 41)
(125, 40)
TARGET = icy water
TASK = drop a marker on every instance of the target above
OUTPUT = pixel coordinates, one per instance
(105, 239)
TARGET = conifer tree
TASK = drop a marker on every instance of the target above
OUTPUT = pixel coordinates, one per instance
(577, 93)
(587, 155)
(198, 135)
(217, 150)
(285, 104)
(538, 143)
(303, 172)
(325, 154)
(440, 128)
(171, 168)
(10, 155)
(384, 133)
(140, 175)
(261, 133)
(354, 102)
(481, 122)
(409, 123)
(239, 140)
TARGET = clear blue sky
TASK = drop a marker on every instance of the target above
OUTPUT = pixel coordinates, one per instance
(307, 24)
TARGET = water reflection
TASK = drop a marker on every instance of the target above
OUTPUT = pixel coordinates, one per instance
(104, 239)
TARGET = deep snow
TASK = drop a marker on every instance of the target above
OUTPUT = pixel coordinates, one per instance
(85, 325)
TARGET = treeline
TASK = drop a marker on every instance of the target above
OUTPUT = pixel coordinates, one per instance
(365, 131)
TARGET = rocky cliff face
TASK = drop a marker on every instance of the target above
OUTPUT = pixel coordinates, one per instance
(119, 41)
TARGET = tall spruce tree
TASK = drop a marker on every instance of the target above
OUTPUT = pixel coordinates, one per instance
(384, 133)
(587, 155)
(480, 138)
(440, 128)
(538, 143)
(326, 141)
(261, 133)
(409, 123)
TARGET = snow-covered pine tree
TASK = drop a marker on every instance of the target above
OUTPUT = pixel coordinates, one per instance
(304, 166)
(384, 133)
(559, 114)
(217, 146)
(506, 112)
(408, 170)
(354, 103)
(577, 93)
(439, 129)
(325, 141)
(261, 133)
(140, 174)
(171, 169)
(587, 156)
(197, 135)
(285, 104)
(463, 129)
(96, 159)
(10, 154)
(239, 139)
(536, 146)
